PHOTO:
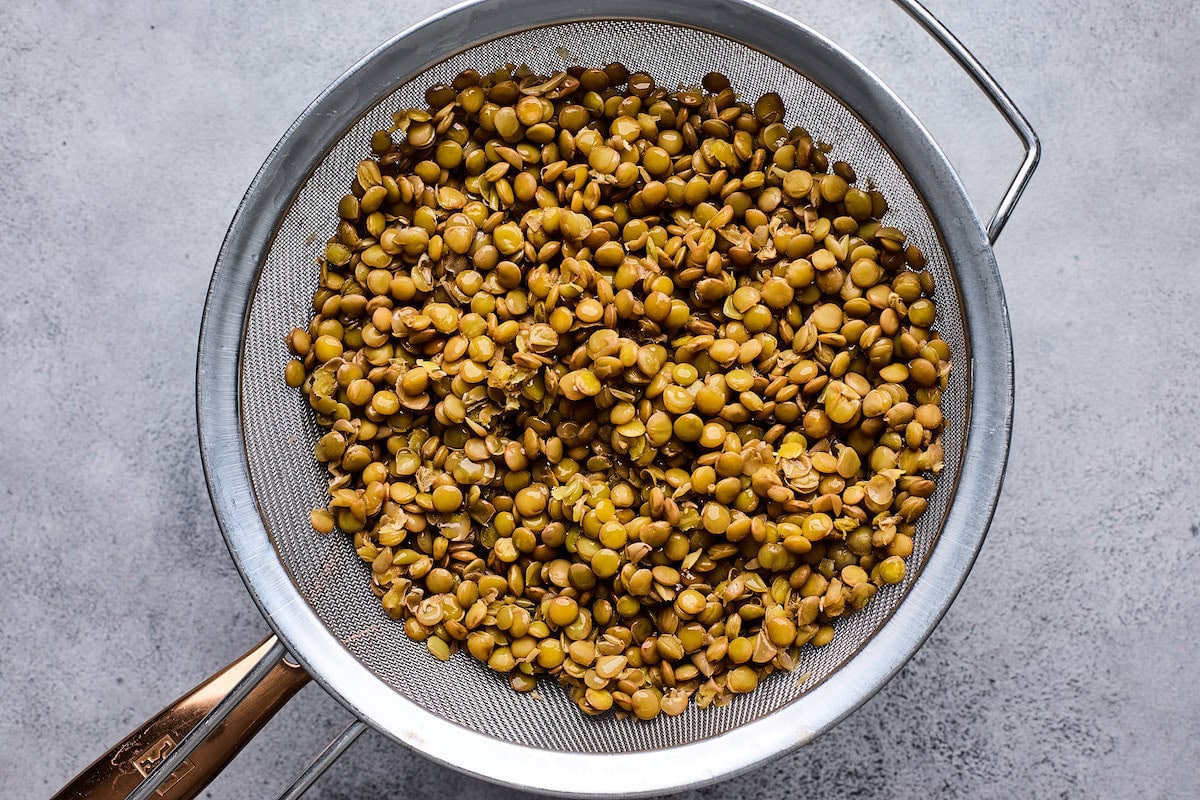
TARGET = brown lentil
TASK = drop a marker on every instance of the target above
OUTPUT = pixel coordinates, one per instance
(620, 384)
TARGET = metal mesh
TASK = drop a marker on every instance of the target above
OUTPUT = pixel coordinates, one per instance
(280, 432)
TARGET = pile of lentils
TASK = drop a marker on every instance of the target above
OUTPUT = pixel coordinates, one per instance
(621, 384)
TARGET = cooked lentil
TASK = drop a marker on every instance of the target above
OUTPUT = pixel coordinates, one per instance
(620, 384)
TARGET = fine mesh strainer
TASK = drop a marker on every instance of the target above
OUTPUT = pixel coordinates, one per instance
(257, 435)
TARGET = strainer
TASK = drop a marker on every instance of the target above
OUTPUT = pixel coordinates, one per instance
(257, 435)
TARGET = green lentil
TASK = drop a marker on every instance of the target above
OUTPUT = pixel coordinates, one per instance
(611, 376)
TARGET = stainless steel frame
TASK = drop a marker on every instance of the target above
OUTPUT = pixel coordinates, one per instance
(966, 239)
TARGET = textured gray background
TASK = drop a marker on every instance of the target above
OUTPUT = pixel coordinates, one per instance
(1066, 668)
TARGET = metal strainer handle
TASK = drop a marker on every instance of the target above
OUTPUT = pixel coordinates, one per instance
(190, 741)
(1002, 102)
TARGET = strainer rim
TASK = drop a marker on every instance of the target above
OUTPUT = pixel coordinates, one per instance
(339, 672)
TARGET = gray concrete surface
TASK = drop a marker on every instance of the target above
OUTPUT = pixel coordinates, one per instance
(1066, 668)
